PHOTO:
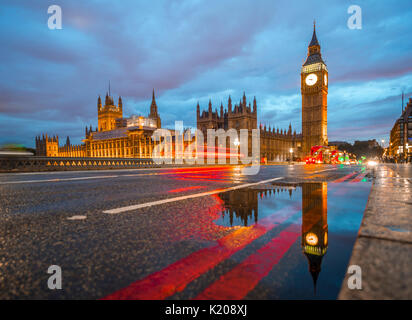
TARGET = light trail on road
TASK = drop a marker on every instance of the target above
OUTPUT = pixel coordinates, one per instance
(190, 196)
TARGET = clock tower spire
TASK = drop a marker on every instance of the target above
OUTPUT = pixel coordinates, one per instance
(314, 89)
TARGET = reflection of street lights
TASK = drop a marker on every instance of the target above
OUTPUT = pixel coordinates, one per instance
(291, 155)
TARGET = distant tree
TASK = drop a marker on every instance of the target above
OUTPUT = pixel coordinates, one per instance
(368, 148)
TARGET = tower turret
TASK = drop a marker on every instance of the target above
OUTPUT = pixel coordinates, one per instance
(153, 111)
(120, 105)
(314, 46)
(107, 100)
(108, 113)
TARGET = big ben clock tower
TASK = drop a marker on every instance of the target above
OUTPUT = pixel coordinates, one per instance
(314, 88)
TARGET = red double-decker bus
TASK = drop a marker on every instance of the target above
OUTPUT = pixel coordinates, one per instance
(323, 154)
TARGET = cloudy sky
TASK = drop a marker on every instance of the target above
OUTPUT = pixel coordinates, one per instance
(192, 50)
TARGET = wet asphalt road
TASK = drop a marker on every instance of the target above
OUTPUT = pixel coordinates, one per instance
(59, 219)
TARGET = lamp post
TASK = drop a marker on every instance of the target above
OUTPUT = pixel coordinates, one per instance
(291, 155)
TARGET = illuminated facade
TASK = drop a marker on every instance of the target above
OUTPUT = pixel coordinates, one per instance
(400, 146)
(114, 137)
(314, 89)
(121, 137)
(275, 145)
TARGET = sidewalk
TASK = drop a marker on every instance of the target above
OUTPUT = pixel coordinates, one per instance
(383, 248)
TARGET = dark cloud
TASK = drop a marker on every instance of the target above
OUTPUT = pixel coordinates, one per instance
(191, 51)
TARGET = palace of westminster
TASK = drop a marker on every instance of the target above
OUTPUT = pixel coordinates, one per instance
(119, 137)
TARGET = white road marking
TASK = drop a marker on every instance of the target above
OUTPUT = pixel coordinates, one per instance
(190, 196)
(77, 218)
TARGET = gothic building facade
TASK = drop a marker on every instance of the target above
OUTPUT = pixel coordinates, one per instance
(275, 145)
(119, 137)
(280, 145)
(115, 136)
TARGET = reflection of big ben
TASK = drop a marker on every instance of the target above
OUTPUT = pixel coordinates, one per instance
(314, 225)
(314, 89)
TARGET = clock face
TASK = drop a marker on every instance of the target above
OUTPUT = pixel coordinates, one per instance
(326, 80)
(311, 239)
(311, 79)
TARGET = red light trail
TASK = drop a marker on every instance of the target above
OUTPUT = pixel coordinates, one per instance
(235, 284)
(176, 276)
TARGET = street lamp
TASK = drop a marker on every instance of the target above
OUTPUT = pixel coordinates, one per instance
(291, 155)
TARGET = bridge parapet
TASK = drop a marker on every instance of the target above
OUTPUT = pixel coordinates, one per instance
(32, 163)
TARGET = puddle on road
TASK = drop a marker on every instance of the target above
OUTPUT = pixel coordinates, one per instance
(288, 241)
(312, 265)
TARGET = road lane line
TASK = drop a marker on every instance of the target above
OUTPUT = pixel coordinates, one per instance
(190, 196)
(77, 218)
